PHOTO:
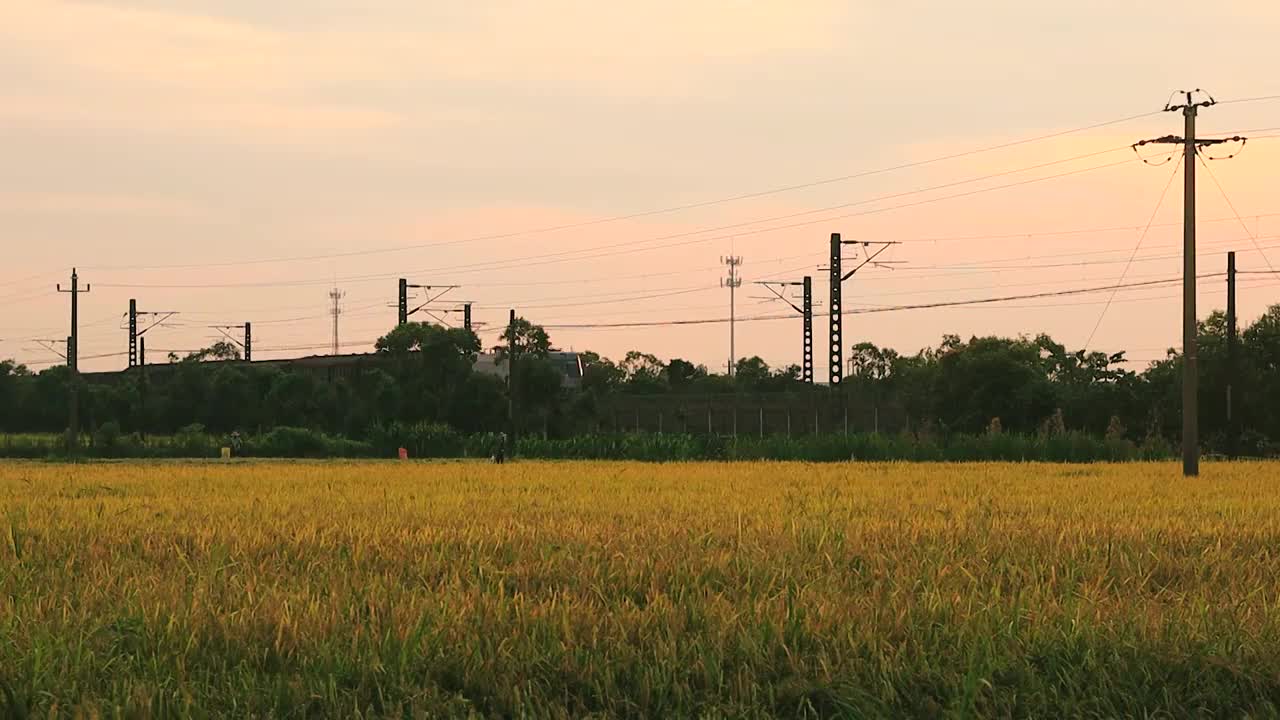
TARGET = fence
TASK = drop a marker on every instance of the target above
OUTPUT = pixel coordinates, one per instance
(789, 414)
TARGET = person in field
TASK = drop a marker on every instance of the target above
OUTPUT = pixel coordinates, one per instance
(500, 449)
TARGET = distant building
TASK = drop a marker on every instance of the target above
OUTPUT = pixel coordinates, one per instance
(568, 363)
(335, 367)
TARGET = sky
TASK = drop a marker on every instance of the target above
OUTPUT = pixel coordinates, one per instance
(591, 163)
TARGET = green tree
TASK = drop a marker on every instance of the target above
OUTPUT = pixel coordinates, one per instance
(681, 374)
(15, 384)
(751, 374)
(530, 339)
(537, 388)
(294, 400)
(645, 373)
(220, 350)
(868, 362)
(431, 363)
(231, 400)
(991, 377)
(481, 405)
(600, 375)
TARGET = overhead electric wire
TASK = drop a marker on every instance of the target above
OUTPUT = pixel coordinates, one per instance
(1138, 246)
(29, 278)
(876, 310)
(1201, 287)
(536, 306)
(1235, 212)
(537, 260)
(1249, 99)
(630, 246)
(991, 265)
(1069, 231)
(774, 229)
(650, 213)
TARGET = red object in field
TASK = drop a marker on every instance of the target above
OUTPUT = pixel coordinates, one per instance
(404, 454)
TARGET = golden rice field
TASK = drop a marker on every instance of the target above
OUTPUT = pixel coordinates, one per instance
(630, 590)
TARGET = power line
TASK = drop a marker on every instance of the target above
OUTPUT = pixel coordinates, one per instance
(1232, 206)
(762, 318)
(875, 310)
(1138, 246)
(537, 259)
(1249, 99)
(38, 276)
(641, 245)
(650, 213)
(1066, 231)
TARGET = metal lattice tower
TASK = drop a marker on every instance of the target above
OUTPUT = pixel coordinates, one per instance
(836, 337)
(733, 282)
(336, 296)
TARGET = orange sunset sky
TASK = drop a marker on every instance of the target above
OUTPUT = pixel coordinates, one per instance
(234, 160)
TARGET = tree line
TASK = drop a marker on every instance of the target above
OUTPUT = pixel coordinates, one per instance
(422, 372)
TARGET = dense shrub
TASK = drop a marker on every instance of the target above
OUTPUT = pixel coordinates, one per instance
(427, 440)
(422, 440)
(291, 442)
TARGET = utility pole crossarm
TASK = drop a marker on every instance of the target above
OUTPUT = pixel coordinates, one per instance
(772, 286)
(838, 276)
(444, 290)
(73, 361)
(161, 317)
(884, 245)
(51, 346)
(224, 328)
(73, 350)
(805, 309)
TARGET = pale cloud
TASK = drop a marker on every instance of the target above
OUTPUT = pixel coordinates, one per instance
(660, 49)
(182, 52)
(282, 123)
(34, 202)
(104, 67)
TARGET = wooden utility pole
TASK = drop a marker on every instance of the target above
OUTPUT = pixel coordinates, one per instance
(73, 349)
(73, 361)
(1190, 354)
(1191, 360)
(1233, 434)
(511, 376)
